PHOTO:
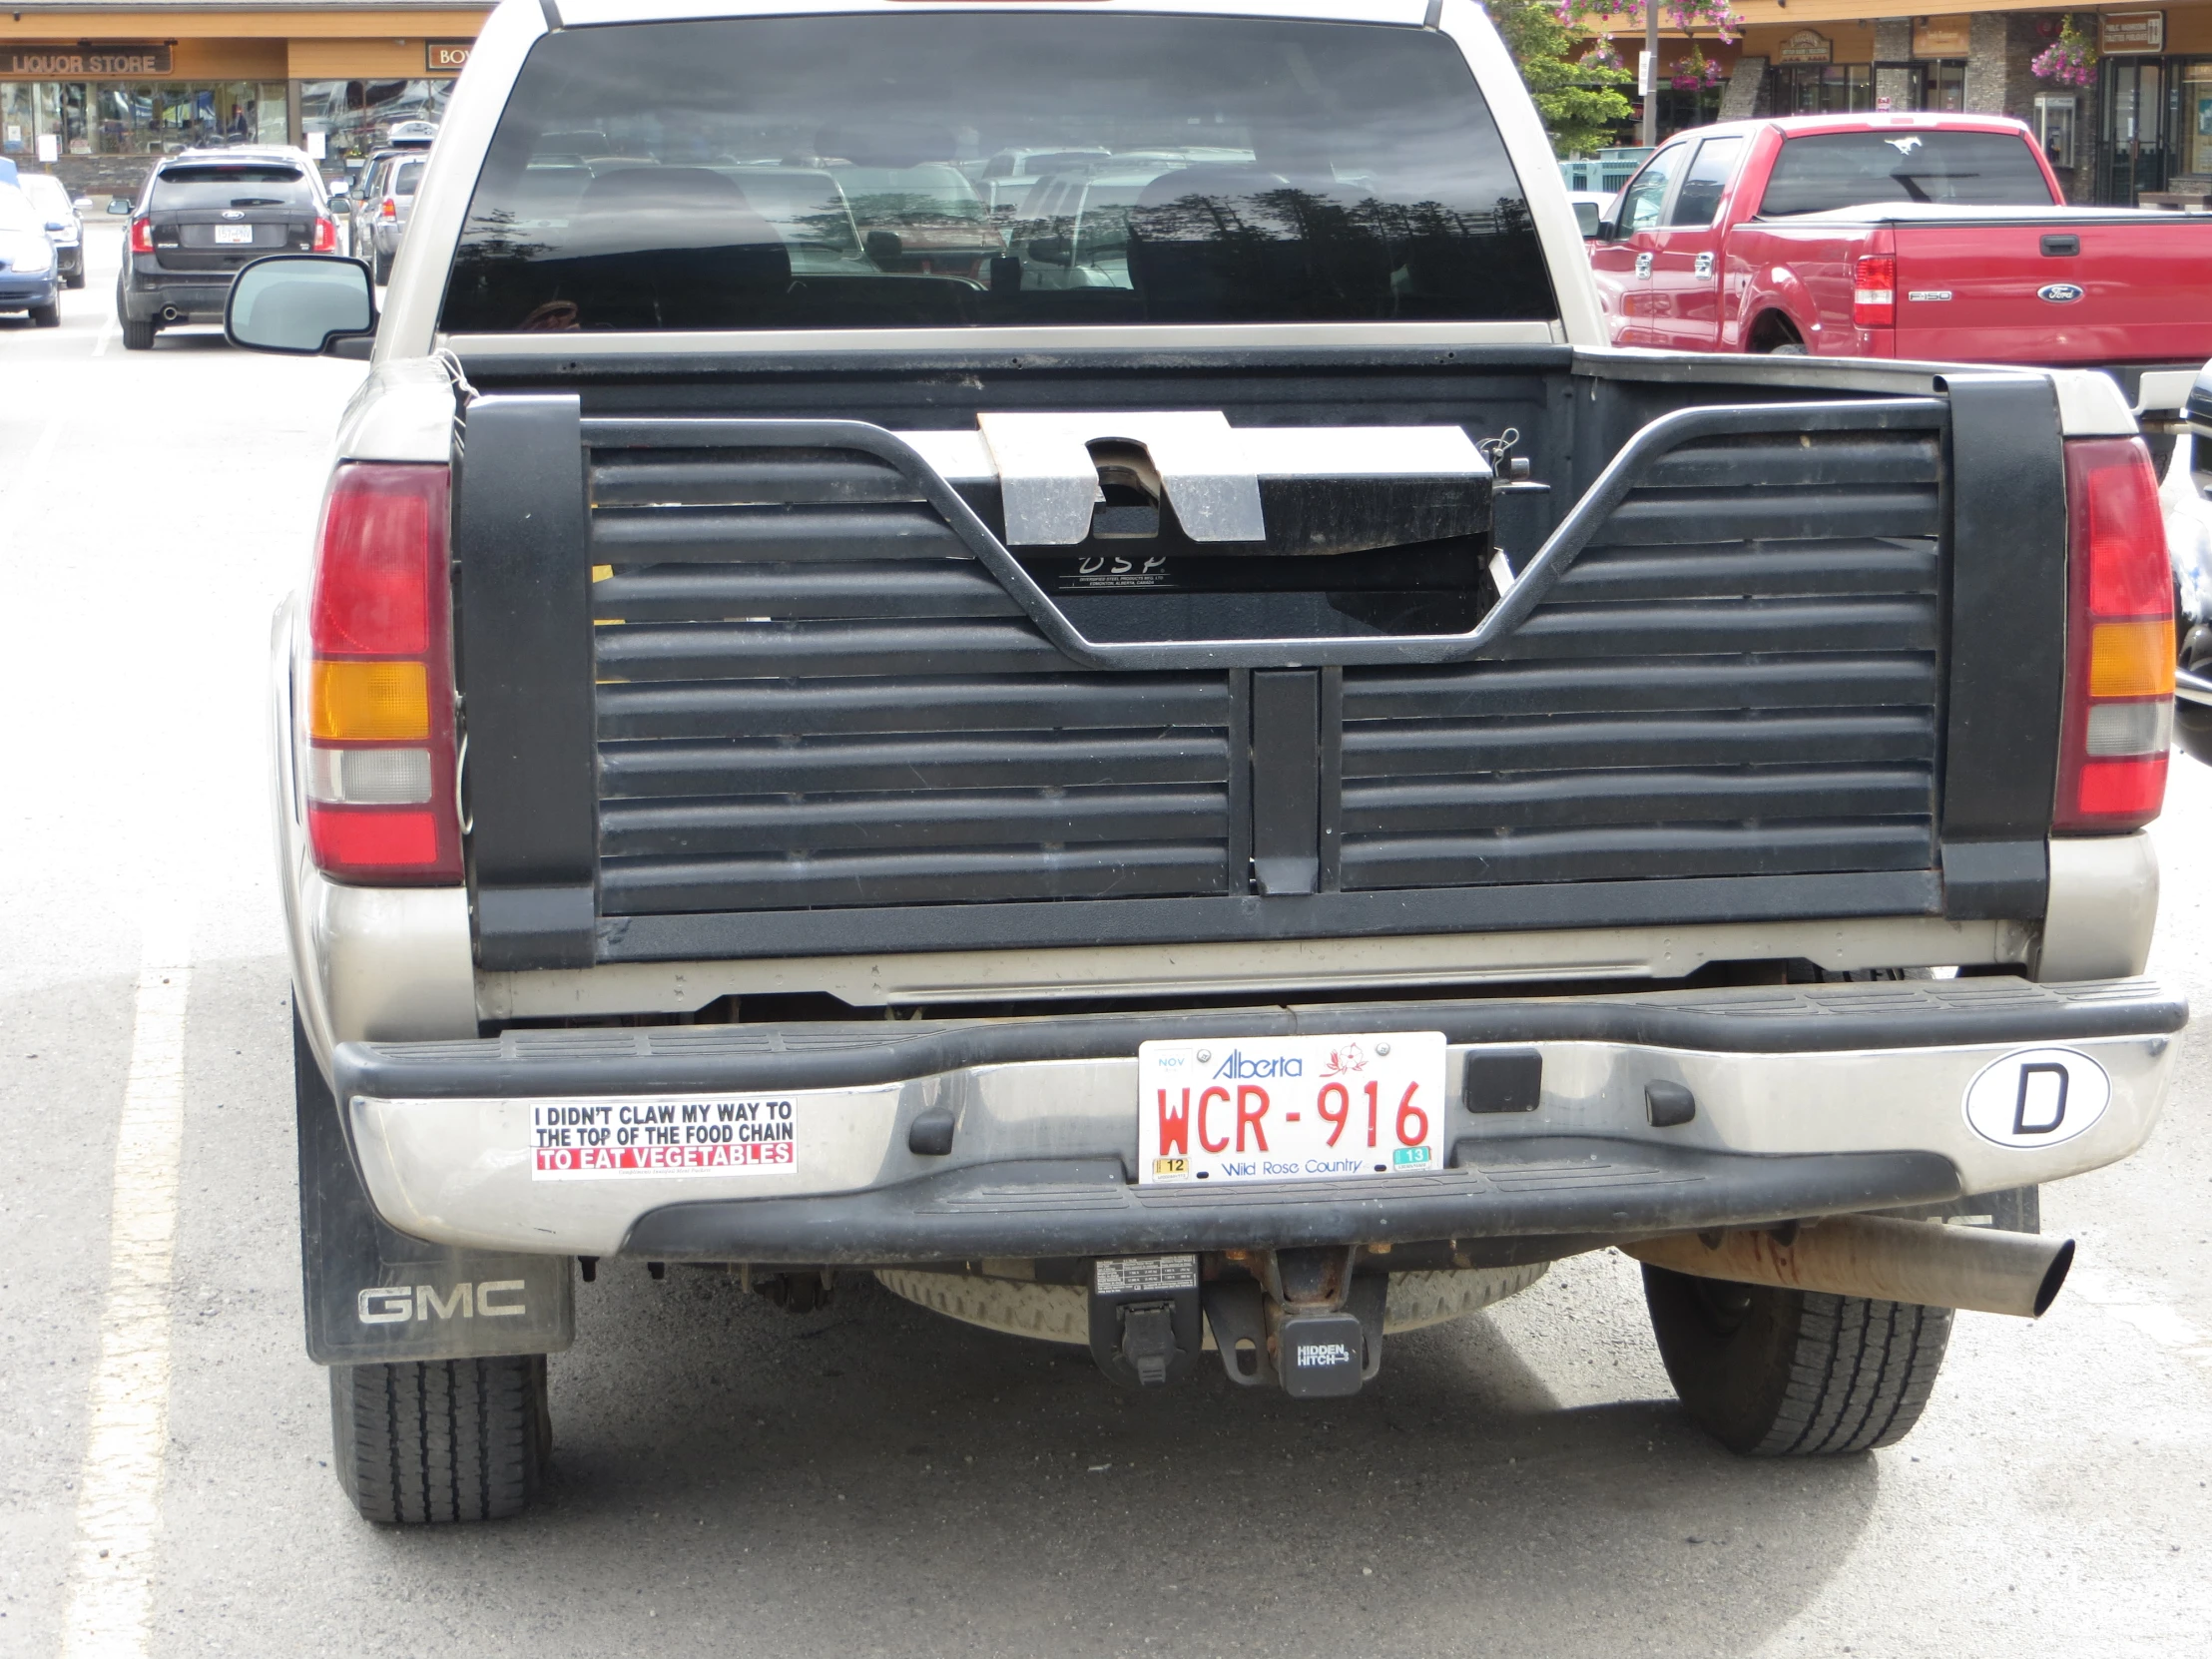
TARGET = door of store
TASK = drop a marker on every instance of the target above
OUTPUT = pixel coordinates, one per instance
(2136, 157)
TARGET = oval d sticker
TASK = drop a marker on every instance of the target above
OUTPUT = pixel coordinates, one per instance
(2038, 1097)
(2059, 294)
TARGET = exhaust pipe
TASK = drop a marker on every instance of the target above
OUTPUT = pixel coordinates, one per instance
(169, 314)
(1881, 1258)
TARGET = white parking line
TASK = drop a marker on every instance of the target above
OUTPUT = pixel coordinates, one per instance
(35, 460)
(111, 1569)
(107, 333)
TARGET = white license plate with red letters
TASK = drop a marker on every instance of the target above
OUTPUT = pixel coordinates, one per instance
(1290, 1108)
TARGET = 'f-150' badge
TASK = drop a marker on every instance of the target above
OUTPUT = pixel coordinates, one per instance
(2059, 294)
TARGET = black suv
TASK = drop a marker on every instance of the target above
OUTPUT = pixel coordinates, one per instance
(200, 216)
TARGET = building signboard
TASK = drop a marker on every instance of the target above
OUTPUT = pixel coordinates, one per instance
(2128, 32)
(31, 61)
(1942, 37)
(1805, 45)
(446, 57)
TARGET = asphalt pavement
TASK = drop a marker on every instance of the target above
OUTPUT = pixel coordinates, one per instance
(870, 1479)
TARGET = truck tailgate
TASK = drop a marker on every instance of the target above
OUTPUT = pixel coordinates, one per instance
(1988, 291)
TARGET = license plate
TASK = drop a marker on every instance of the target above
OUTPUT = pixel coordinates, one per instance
(235, 233)
(1290, 1108)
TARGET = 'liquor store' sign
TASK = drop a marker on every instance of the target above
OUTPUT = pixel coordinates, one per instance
(81, 62)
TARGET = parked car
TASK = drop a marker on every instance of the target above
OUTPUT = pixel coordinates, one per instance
(29, 278)
(1940, 238)
(382, 196)
(64, 226)
(1005, 179)
(200, 217)
(1074, 228)
(1252, 809)
(2178, 409)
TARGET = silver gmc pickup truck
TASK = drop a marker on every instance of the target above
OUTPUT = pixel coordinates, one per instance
(1168, 752)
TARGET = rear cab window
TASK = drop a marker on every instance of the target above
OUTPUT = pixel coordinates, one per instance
(842, 172)
(200, 185)
(1824, 172)
(404, 179)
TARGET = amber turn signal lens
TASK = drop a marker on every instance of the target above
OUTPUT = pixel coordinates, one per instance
(2131, 659)
(369, 702)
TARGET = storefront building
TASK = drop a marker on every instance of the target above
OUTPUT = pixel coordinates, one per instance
(2139, 131)
(94, 92)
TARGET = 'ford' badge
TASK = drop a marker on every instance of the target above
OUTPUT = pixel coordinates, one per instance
(2059, 294)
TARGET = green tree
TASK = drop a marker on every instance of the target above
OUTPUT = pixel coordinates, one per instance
(1579, 102)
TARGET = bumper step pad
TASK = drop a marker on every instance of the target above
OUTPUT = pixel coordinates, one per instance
(1539, 1185)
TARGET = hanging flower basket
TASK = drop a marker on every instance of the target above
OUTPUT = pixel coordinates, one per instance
(2070, 61)
(1685, 15)
(1696, 73)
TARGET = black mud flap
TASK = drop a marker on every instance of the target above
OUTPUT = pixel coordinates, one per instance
(375, 1296)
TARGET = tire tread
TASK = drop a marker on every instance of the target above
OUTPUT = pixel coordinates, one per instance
(437, 1441)
(1809, 1375)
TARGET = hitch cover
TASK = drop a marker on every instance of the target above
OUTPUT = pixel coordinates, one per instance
(1321, 1355)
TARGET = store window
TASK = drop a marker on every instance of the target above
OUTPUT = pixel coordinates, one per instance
(145, 117)
(1943, 86)
(1679, 111)
(2196, 118)
(1823, 88)
(354, 118)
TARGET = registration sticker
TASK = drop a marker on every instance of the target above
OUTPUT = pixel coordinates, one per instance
(658, 1135)
(1291, 1108)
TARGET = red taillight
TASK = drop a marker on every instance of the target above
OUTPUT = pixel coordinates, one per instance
(2119, 721)
(142, 235)
(325, 236)
(390, 209)
(379, 761)
(1873, 291)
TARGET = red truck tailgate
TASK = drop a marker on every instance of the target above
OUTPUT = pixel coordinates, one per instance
(1988, 290)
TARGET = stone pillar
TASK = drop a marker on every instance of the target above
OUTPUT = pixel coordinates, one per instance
(1999, 82)
(1740, 99)
(1998, 51)
(1893, 44)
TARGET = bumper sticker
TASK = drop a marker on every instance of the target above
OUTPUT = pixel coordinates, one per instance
(653, 1135)
(2038, 1097)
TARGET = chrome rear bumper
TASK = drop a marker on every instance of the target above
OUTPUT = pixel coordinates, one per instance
(1808, 1100)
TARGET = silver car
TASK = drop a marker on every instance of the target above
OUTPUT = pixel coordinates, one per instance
(380, 203)
(64, 228)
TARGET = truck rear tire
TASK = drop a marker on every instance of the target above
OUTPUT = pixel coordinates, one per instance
(1795, 1373)
(442, 1441)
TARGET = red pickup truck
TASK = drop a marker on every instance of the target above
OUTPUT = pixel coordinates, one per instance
(1931, 236)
